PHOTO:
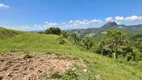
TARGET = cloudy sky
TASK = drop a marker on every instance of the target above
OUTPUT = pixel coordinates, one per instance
(30, 15)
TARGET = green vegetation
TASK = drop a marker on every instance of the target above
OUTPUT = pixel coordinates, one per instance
(112, 42)
(99, 65)
(7, 33)
(53, 30)
(79, 73)
(27, 56)
(61, 40)
(130, 30)
(87, 43)
(76, 73)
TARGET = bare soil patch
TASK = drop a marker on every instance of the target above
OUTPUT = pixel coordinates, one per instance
(14, 67)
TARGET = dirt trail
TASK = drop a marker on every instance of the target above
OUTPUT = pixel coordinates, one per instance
(14, 67)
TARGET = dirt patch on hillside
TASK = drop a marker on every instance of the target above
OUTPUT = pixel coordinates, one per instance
(14, 67)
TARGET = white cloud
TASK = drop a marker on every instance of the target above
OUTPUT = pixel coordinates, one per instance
(85, 22)
(108, 19)
(119, 18)
(3, 6)
(82, 23)
(140, 18)
(96, 21)
(48, 24)
(132, 18)
(78, 24)
(70, 22)
(125, 19)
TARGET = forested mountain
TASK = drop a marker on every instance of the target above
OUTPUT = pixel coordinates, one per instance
(98, 32)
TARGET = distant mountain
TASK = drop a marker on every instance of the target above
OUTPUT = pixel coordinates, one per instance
(36, 31)
(98, 32)
(110, 25)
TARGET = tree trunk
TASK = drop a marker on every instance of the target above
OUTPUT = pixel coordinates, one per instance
(102, 49)
(114, 55)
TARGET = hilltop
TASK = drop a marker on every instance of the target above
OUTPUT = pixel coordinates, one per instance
(110, 25)
(5, 33)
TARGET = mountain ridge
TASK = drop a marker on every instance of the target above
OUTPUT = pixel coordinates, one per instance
(108, 26)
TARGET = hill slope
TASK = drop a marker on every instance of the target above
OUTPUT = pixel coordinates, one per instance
(7, 33)
(106, 68)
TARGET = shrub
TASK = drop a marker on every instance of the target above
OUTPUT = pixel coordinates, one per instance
(64, 34)
(87, 43)
(40, 32)
(74, 37)
(79, 73)
(55, 75)
(53, 30)
(27, 56)
(61, 41)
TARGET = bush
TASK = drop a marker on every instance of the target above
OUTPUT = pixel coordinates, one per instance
(40, 32)
(74, 38)
(79, 73)
(64, 34)
(53, 30)
(87, 43)
(27, 56)
(55, 75)
(61, 41)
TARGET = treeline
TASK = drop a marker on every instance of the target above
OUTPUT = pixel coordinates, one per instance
(114, 44)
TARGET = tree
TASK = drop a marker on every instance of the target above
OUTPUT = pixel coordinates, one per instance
(53, 30)
(88, 43)
(41, 32)
(137, 41)
(112, 42)
(64, 34)
(95, 45)
(74, 37)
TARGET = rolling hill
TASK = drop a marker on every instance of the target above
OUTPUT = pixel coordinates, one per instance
(105, 68)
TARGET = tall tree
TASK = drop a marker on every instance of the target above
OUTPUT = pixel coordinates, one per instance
(112, 42)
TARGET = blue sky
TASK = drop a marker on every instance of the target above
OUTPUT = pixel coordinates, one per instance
(67, 14)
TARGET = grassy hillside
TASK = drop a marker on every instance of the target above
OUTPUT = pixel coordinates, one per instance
(7, 33)
(106, 68)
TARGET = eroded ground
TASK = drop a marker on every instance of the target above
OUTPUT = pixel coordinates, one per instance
(15, 66)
